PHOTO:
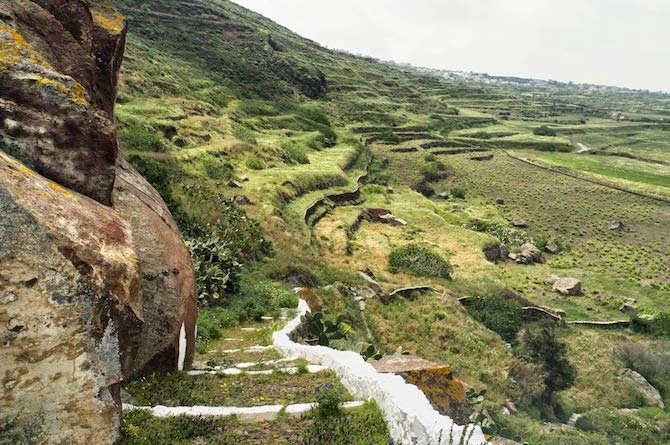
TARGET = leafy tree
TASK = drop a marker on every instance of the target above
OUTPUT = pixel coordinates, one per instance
(540, 344)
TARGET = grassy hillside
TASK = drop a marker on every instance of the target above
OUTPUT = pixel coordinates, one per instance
(249, 132)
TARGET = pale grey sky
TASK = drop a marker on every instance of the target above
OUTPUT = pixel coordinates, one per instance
(611, 42)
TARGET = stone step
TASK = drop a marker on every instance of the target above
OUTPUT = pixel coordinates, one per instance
(244, 414)
(247, 349)
(312, 369)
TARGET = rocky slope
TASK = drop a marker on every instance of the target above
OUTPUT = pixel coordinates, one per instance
(95, 280)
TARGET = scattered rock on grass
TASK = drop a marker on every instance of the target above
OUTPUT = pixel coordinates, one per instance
(651, 395)
(530, 254)
(552, 247)
(568, 286)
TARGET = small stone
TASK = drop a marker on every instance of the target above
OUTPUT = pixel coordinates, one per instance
(234, 184)
(500, 202)
(519, 223)
(627, 307)
(242, 200)
(552, 247)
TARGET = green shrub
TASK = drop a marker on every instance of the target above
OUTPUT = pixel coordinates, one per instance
(621, 427)
(433, 171)
(254, 163)
(540, 345)
(502, 316)
(328, 399)
(389, 136)
(315, 115)
(21, 430)
(458, 192)
(291, 154)
(420, 261)
(658, 325)
(137, 137)
(655, 367)
(15, 152)
(365, 425)
(544, 131)
(217, 168)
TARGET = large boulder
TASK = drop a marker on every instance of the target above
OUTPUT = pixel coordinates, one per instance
(651, 395)
(71, 310)
(169, 300)
(445, 393)
(95, 280)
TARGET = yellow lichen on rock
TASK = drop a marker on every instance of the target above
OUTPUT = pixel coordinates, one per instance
(14, 48)
(76, 92)
(111, 20)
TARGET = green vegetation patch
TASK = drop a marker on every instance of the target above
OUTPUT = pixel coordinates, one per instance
(363, 425)
(505, 317)
(420, 261)
(180, 389)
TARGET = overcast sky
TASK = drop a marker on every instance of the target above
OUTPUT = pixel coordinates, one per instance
(612, 42)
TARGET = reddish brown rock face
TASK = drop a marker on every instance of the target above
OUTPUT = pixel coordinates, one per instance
(58, 68)
(95, 280)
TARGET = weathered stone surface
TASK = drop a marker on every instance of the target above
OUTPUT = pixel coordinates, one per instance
(495, 252)
(651, 395)
(72, 330)
(445, 393)
(384, 216)
(169, 300)
(372, 283)
(618, 226)
(551, 279)
(95, 281)
(568, 286)
(519, 223)
(58, 66)
(530, 254)
(552, 247)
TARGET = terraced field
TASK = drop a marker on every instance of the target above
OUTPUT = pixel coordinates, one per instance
(269, 148)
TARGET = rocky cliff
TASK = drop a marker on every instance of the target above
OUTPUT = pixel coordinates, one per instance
(95, 280)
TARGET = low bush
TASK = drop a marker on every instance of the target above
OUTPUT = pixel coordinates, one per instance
(292, 154)
(458, 192)
(137, 137)
(657, 325)
(504, 317)
(544, 131)
(620, 427)
(420, 261)
(254, 163)
(433, 171)
(389, 136)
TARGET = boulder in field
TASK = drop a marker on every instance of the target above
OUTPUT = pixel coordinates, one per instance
(651, 395)
(568, 286)
(552, 247)
(445, 392)
(530, 254)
